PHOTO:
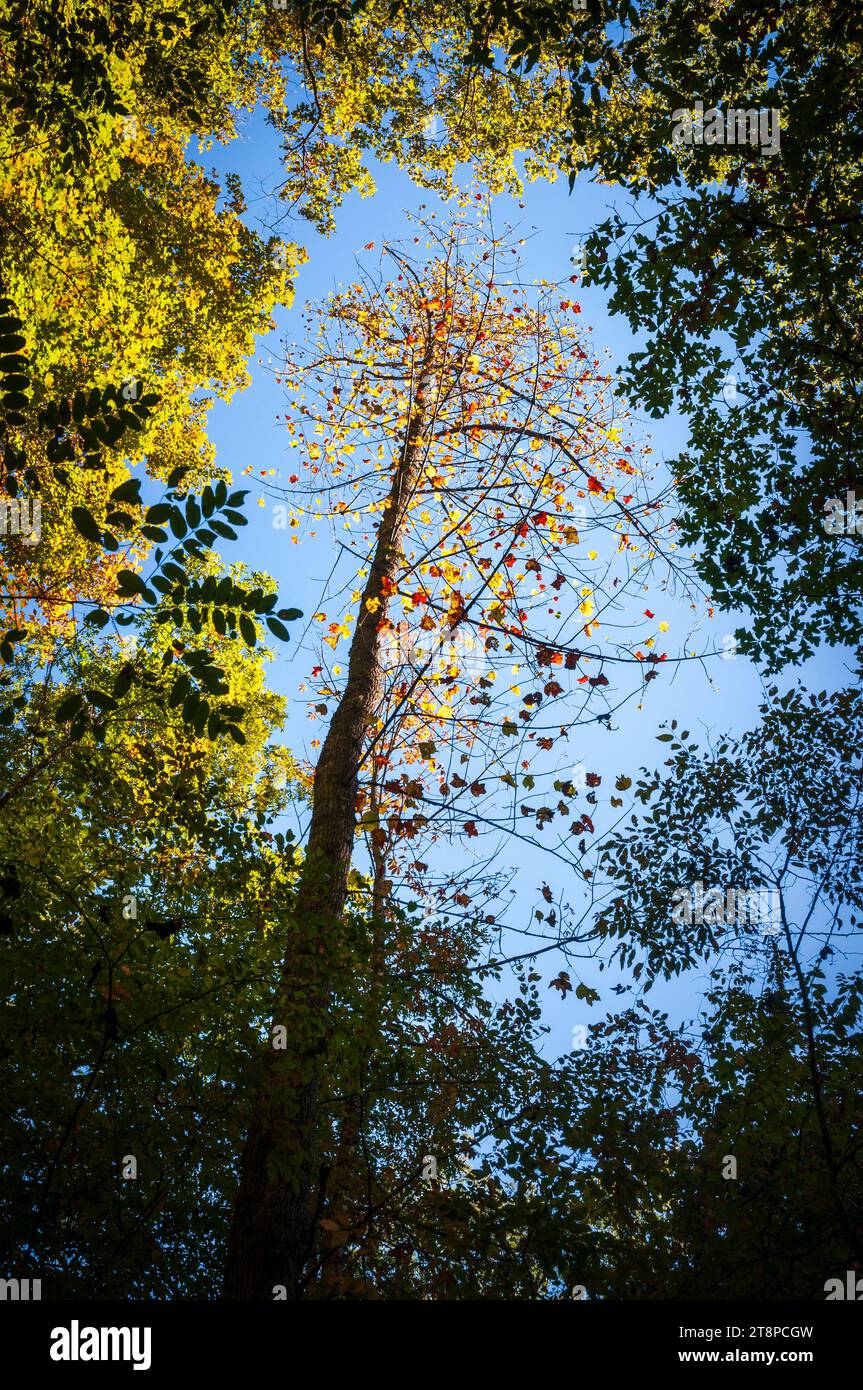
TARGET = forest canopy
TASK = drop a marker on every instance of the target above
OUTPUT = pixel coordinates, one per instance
(277, 1005)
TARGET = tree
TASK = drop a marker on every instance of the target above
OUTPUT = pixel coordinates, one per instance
(146, 905)
(750, 312)
(606, 1171)
(747, 861)
(467, 440)
(123, 1127)
(66, 69)
(397, 82)
(143, 296)
(740, 258)
(132, 964)
(489, 419)
(743, 268)
(692, 1155)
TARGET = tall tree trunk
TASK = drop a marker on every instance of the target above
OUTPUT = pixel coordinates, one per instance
(345, 1165)
(846, 1223)
(274, 1217)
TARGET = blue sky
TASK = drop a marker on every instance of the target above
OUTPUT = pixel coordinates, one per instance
(246, 432)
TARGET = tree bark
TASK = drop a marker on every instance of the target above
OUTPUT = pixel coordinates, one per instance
(273, 1224)
(351, 1128)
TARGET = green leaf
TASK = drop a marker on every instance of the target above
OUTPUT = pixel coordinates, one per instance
(122, 519)
(123, 681)
(69, 707)
(101, 700)
(157, 515)
(181, 688)
(128, 491)
(85, 523)
(128, 582)
(278, 629)
(98, 617)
